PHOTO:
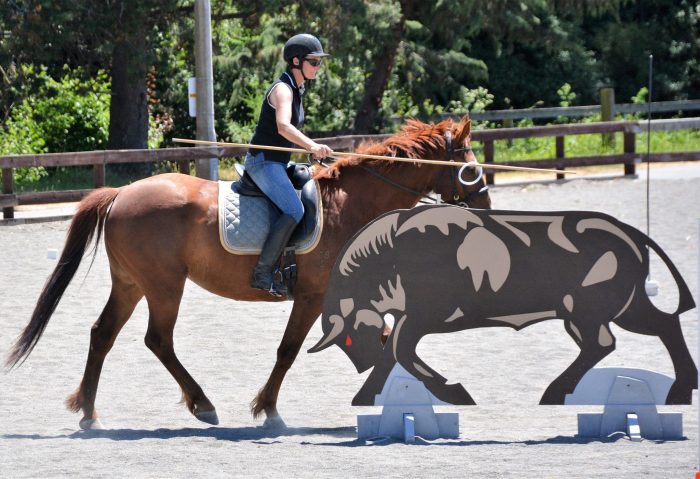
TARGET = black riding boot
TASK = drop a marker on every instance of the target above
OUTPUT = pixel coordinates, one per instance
(264, 273)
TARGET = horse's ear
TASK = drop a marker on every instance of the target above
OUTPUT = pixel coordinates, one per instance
(463, 130)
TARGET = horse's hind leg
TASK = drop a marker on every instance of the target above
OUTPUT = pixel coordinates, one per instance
(163, 309)
(121, 303)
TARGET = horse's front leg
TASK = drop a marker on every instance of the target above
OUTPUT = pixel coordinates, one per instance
(305, 311)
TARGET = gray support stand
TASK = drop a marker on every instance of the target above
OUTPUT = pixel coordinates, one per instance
(630, 397)
(407, 413)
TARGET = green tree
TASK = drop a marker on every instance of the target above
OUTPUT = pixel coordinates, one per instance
(389, 56)
(668, 29)
(95, 34)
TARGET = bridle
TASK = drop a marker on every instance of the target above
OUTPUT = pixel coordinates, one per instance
(457, 176)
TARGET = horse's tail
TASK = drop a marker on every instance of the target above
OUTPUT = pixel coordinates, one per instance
(685, 297)
(89, 217)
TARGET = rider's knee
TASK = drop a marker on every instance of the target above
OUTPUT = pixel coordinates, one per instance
(297, 213)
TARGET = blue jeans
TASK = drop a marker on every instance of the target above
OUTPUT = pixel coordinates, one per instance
(271, 177)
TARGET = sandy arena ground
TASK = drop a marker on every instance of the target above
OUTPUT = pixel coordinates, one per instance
(230, 347)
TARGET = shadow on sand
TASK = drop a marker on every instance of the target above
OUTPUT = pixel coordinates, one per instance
(235, 434)
(263, 435)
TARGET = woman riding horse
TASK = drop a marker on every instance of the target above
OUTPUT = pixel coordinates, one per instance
(281, 116)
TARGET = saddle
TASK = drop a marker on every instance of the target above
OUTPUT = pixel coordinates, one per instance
(245, 213)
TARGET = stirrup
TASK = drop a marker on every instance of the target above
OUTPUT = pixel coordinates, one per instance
(270, 290)
(277, 293)
(278, 288)
(275, 288)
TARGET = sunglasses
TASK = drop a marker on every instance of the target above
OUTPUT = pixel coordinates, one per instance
(314, 62)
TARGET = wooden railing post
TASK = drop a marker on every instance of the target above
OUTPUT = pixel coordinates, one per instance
(8, 188)
(184, 166)
(559, 141)
(99, 175)
(629, 147)
(508, 123)
(489, 153)
(607, 113)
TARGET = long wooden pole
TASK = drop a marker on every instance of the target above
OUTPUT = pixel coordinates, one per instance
(374, 157)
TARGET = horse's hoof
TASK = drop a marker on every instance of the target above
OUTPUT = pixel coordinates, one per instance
(91, 424)
(210, 417)
(274, 423)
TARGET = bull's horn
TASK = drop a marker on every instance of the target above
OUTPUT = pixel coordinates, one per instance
(338, 326)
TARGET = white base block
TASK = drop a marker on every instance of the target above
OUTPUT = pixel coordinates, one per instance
(435, 426)
(407, 413)
(658, 426)
(630, 397)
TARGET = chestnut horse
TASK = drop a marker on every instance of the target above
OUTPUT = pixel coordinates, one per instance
(160, 231)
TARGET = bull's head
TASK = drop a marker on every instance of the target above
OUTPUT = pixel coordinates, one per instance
(357, 332)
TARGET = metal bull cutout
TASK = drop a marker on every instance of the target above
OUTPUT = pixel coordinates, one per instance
(439, 269)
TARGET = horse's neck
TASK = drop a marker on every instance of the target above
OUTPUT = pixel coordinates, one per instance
(367, 197)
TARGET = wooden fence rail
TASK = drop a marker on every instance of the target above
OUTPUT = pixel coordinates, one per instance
(572, 111)
(183, 156)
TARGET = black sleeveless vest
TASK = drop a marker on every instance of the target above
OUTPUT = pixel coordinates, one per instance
(266, 130)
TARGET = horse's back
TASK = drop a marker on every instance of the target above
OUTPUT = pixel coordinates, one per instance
(161, 193)
(159, 217)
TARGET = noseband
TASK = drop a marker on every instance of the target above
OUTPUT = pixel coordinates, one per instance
(451, 150)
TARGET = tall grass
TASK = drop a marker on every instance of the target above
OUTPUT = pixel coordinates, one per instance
(593, 145)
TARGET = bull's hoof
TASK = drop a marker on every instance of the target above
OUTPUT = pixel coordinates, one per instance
(550, 402)
(552, 399)
(210, 417)
(363, 399)
(274, 423)
(91, 424)
(679, 394)
(454, 394)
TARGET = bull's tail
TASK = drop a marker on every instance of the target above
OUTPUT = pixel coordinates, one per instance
(685, 297)
(89, 218)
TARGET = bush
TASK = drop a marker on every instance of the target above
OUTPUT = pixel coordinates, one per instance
(69, 114)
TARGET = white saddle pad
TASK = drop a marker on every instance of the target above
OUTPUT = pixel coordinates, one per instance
(244, 222)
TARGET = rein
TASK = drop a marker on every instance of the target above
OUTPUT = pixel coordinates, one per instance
(388, 181)
(393, 183)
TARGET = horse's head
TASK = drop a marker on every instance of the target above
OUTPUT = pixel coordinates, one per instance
(463, 186)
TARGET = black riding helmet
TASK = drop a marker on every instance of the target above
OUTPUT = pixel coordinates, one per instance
(302, 45)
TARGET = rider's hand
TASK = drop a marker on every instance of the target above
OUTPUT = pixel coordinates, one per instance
(320, 151)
